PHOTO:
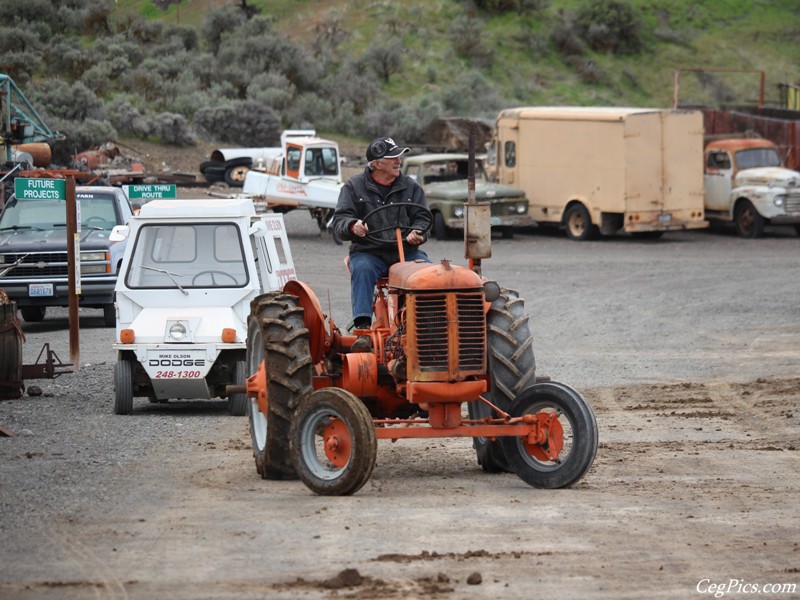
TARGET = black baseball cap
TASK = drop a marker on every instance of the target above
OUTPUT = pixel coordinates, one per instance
(384, 147)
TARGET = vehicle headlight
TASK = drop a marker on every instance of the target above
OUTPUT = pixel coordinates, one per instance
(458, 211)
(177, 331)
(779, 200)
(87, 256)
(90, 269)
(522, 208)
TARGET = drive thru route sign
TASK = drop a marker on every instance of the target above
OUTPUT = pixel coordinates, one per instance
(151, 191)
(39, 188)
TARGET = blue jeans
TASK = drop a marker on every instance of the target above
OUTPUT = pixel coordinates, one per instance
(365, 270)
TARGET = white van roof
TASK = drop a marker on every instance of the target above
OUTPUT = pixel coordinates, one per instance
(204, 207)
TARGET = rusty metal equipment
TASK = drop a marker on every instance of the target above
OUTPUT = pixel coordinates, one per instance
(443, 337)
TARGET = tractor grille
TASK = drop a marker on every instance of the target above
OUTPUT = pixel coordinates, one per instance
(450, 334)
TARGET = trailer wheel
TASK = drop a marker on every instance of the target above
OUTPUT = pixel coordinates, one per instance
(237, 403)
(333, 442)
(123, 387)
(277, 336)
(512, 367)
(571, 441)
(33, 314)
(578, 223)
(749, 224)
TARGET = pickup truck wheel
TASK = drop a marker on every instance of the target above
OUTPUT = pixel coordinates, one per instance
(123, 387)
(512, 368)
(33, 314)
(237, 403)
(439, 228)
(109, 315)
(579, 224)
(277, 335)
(749, 224)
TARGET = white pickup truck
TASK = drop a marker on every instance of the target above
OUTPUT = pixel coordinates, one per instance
(746, 184)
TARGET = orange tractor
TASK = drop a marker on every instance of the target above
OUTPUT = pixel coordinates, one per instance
(443, 336)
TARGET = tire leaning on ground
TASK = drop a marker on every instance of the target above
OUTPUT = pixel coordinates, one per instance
(512, 367)
(277, 335)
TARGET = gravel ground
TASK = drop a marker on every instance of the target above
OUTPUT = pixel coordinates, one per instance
(686, 347)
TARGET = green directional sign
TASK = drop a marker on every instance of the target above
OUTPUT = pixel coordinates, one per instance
(151, 191)
(39, 188)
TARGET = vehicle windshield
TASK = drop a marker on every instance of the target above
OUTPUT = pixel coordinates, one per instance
(186, 256)
(96, 213)
(449, 170)
(757, 157)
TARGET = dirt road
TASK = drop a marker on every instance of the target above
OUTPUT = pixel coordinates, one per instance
(687, 349)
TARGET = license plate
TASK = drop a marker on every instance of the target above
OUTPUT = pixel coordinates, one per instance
(664, 218)
(40, 290)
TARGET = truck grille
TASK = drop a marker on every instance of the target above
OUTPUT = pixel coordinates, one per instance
(450, 335)
(44, 265)
(793, 204)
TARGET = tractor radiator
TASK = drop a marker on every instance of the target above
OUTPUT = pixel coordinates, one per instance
(448, 336)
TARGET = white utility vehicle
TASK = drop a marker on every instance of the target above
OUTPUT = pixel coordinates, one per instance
(190, 270)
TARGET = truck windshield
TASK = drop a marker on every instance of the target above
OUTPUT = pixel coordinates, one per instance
(96, 213)
(186, 256)
(757, 157)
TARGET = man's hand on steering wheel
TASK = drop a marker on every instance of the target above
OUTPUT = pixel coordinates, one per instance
(415, 238)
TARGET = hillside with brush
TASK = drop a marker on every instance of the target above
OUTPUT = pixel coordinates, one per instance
(239, 72)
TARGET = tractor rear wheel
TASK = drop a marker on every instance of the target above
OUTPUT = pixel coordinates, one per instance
(333, 442)
(278, 336)
(571, 440)
(512, 367)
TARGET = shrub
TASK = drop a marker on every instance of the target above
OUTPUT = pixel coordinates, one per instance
(218, 23)
(66, 57)
(126, 118)
(60, 100)
(241, 122)
(610, 26)
(172, 129)
(310, 111)
(385, 57)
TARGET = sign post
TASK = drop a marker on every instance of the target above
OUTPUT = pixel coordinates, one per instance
(40, 188)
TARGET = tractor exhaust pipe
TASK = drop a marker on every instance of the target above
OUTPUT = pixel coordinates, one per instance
(477, 219)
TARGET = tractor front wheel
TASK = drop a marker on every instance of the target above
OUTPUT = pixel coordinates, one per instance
(277, 336)
(570, 437)
(333, 442)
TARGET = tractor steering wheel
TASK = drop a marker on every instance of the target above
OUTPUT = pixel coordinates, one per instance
(372, 234)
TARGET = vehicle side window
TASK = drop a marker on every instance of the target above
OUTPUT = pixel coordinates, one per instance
(292, 159)
(510, 151)
(718, 160)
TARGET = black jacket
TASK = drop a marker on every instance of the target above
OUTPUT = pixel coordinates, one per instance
(361, 195)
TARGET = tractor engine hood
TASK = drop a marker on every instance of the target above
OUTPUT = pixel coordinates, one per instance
(768, 177)
(423, 276)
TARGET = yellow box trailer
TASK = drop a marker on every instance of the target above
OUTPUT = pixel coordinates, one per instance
(604, 169)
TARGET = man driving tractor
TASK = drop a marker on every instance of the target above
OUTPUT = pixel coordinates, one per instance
(380, 184)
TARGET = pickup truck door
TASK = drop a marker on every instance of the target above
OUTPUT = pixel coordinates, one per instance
(717, 180)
